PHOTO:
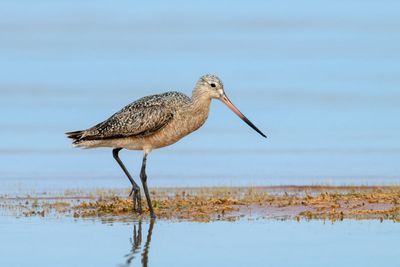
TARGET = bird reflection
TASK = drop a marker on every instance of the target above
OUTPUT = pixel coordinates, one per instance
(136, 242)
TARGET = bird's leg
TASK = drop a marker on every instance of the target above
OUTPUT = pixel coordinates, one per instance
(143, 177)
(137, 203)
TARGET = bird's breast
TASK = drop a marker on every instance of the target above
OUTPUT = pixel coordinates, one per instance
(181, 125)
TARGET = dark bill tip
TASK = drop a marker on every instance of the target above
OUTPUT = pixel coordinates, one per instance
(230, 105)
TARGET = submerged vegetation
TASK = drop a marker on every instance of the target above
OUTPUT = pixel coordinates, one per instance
(208, 204)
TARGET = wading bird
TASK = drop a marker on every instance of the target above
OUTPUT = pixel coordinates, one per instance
(153, 122)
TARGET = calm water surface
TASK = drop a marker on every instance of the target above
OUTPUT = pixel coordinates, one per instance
(320, 78)
(65, 242)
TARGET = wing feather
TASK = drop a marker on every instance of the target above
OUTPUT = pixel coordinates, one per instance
(140, 118)
(136, 121)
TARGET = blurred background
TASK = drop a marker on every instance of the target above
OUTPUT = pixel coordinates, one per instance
(320, 78)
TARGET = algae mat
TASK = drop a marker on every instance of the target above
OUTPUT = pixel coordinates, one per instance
(220, 203)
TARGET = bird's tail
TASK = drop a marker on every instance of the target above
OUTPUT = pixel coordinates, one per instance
(76, 136)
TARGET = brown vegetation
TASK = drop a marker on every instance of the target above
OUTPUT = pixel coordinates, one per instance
(207, 204)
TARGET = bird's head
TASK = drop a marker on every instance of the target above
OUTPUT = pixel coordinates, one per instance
(210, 86)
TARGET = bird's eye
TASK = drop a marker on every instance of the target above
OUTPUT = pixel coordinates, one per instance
(212, 85)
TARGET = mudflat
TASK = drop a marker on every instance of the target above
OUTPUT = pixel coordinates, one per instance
(219, 203)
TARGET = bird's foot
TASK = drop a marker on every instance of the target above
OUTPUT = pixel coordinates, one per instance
(136, 198)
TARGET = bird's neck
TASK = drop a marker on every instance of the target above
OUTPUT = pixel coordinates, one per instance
(200, 101)
(197, 110)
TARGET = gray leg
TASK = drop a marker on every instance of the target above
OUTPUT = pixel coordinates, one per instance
(143, 177)
(137, 203)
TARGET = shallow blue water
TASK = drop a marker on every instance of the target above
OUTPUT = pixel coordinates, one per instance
(64, 242)
(321, 78)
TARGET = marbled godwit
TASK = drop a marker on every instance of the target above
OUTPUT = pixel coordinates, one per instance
(153, 122)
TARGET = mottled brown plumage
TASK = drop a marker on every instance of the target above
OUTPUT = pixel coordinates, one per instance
(139, 119)
(153, 122)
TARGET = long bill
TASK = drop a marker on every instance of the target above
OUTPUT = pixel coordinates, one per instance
(227, 102)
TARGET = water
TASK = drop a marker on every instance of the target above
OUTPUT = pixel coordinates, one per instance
(321, 78)
(64, 242)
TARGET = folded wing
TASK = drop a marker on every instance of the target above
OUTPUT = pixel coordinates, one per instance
(139, 121)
